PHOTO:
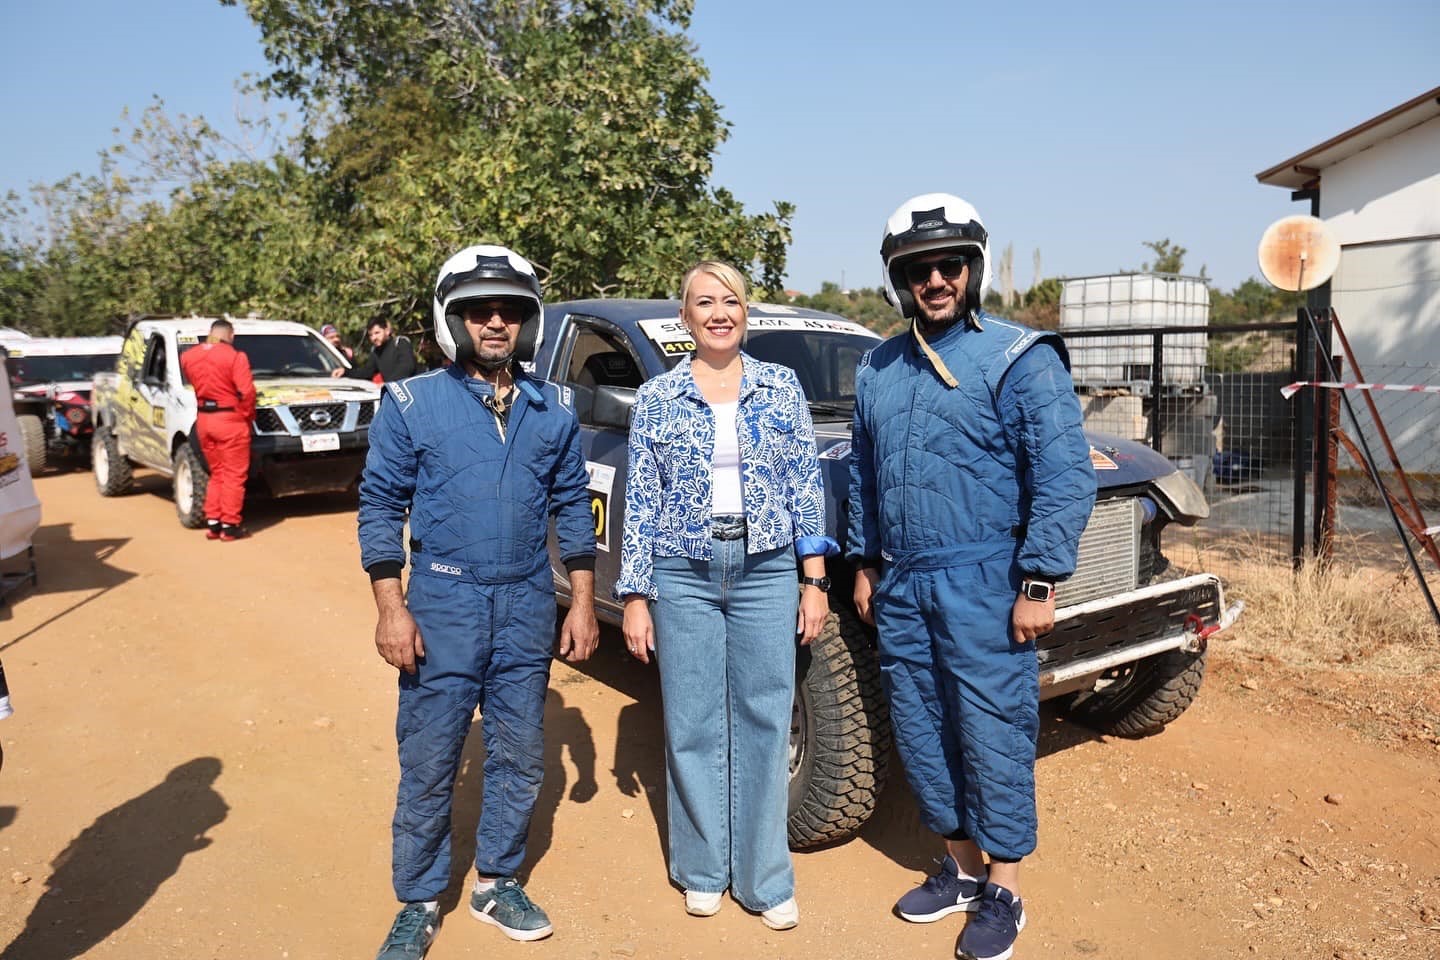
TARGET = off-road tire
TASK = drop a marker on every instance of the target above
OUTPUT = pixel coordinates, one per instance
(1154, 693)
(32, 430)
(844, 732)
(113, 473)
(189, 479)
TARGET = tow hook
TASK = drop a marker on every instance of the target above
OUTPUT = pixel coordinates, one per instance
(1197, 634)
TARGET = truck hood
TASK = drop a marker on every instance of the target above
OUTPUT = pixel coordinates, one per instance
(1117, 462)
(286, 390)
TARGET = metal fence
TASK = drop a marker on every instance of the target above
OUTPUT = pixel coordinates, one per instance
(1219, 416)
(1285, 476)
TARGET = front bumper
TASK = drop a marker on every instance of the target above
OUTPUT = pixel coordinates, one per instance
(288, 470)
(1098, 635)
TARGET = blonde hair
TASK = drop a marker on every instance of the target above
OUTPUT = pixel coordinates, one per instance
(732, 279)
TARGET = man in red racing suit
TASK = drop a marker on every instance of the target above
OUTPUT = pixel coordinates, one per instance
(225, 404)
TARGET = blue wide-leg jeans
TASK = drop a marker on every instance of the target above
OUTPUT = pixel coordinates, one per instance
(725, 639)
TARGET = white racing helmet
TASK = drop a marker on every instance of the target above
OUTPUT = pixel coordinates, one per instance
(934, 221)
(484, 272)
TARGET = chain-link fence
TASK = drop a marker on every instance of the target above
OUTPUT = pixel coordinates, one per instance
(1284, 475)
(1209, 399)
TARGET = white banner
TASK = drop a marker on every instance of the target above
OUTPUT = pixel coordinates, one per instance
(19, 507)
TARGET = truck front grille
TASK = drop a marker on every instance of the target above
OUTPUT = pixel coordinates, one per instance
(268, 421)
(1109, 553)
(318, 417)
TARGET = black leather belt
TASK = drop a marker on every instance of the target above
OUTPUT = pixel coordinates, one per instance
(728, 527)
(213, 406)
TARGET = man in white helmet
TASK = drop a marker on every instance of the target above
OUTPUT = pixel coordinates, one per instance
(478, 456)
(970, 485)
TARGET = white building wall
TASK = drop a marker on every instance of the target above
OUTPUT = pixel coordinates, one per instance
(1389, 192)
(1383, 205)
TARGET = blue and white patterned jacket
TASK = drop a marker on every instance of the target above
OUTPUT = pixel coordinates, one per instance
(672, 444)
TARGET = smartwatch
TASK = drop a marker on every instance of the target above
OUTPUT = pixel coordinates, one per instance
(822, 582)
(1037, 590)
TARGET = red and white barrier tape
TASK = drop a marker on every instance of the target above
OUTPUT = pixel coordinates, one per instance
(1289, 390)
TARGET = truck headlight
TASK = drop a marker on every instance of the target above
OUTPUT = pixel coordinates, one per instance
(1182, 496)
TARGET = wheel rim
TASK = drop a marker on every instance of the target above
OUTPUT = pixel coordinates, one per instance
(184, 486)
(797, 735)
(100, 463)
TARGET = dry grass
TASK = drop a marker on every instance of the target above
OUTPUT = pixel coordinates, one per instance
(1350, 613)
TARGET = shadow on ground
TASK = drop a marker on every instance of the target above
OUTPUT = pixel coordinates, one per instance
(111, 870)
(66, 565)
(566, 732)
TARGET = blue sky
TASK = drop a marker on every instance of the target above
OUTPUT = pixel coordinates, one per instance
(1080, 130)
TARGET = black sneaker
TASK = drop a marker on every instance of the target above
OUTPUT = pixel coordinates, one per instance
(942, 894)
(991, 933)
(411, 933)
(506, 906)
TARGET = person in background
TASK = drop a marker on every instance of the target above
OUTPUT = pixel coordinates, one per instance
(225, 405)
(724, 495)
(970, 486)
(391, 356)
(332, 333)
(477, 458)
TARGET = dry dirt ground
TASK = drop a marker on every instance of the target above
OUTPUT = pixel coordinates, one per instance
(202, 766)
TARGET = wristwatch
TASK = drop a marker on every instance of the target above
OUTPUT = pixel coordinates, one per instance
(822, 582)
(1038, 590)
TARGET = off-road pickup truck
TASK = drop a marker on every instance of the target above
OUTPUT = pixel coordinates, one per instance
(50, 379)
(1128, 650)
(311, 431)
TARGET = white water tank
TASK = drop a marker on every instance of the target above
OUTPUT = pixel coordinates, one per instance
(1124, 362)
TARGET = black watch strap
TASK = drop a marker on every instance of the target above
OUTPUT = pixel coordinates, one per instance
(822, 582)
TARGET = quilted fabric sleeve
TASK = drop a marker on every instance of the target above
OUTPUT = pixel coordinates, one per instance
(1039, 402)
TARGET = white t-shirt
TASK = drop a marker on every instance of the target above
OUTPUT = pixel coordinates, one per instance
(725, 466)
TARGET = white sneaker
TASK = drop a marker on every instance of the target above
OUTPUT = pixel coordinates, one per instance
(701, 904)
(782, 916)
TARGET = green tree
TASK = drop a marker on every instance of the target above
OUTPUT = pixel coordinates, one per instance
(580, 133)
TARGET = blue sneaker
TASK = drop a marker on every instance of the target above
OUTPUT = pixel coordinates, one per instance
(506, 906)
(942, 894)
(411, 933)
(991, 933)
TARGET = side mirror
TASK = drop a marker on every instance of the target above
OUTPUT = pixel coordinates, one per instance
(612, 407)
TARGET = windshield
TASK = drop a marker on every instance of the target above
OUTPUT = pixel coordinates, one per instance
(282, 355)
(823, 361)
(25, 371)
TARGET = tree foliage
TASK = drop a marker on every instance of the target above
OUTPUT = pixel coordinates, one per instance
(580, 133)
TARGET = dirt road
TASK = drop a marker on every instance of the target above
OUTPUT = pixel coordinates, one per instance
(202, 766)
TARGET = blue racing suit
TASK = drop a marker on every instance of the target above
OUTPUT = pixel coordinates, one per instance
(478, 502)
(958, 492)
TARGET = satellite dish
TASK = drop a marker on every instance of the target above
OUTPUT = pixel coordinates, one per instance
(1298, 253)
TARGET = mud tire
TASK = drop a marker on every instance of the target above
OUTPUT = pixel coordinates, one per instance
(113, 473)
(32, 430)
(840, 733)
(190, 478)
(1155, 692)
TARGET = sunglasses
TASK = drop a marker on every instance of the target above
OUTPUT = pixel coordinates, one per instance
(919, 272)
(482, 312)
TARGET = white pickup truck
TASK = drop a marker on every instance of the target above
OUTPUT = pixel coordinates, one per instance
(311, 430)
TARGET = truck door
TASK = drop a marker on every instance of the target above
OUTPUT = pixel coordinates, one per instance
(148, 402)
(595, 353)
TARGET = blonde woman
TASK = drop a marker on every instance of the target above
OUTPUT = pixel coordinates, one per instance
(723, 495)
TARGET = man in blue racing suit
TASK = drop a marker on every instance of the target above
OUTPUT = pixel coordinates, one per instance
(477, 456)
(970, 485)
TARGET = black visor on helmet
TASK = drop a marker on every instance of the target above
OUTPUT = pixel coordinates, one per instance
(928, 225)
(488, 268)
